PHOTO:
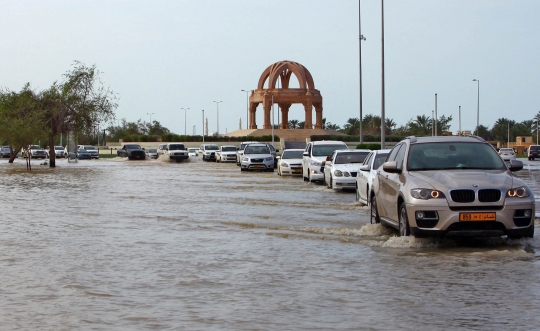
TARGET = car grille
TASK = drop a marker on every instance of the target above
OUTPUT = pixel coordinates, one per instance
(257, 160)
(353, 173)
(476, 208)
(489, 195)
(462, 196)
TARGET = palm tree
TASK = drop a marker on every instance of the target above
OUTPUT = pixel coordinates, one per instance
(351, 125)
(293, 124)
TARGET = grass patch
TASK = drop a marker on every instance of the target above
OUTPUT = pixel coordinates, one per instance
(107, 156)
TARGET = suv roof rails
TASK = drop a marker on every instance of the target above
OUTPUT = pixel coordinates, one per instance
(412, 138)
(478, 138)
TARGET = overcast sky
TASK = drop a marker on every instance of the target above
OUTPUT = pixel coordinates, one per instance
(164, 55)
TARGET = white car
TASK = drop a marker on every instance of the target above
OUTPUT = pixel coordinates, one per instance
(151, 153)
(290, 162)
(226, 154)
(36, 152)
(176, 152)
(507, 154)
(341, 169)
(193, 151)
(366, 174)
(315, 153)
(60, 151)
(240, 150)
(257, 157)
(208, 152)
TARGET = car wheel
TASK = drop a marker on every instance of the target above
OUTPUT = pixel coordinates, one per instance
(242, 169)
(404, 229)
(374, 212)
(330, 183)
(278, 171)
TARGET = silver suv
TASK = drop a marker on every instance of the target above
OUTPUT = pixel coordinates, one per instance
(444, 186)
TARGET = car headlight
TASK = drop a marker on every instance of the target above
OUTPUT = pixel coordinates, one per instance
(316, 163)
(245, 159)
(518, 192)
(346, 174)
(284, 164)
(426, 194)
(338, 173)
(269, 158)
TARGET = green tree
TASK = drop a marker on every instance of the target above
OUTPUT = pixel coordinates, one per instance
(22, 119)
(293, 124)
(78, 105)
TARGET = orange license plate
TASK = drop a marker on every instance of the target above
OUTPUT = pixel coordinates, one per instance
(258, 166)
(477, 216)
(297, 170)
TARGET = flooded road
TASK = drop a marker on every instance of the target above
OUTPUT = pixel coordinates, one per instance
(148, 245)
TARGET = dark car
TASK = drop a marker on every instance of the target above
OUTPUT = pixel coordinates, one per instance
(132, 152)
(5, 152)
(533, 152)
(83, 154)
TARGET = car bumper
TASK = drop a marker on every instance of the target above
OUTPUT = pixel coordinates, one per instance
(315, 174)
(290, 171)
(258, 166)
(343, 183)
(509, 220)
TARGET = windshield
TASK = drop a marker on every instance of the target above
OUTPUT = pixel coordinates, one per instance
(89, 147)
(506, 150)
(176, 147)
(133, 147)
(228, 149)
(325, 150)
(257, 150)
(292, 154)
(82, 150)
(379, 160)
(152, 150)
(350, 157)
(211, 147)
(192, 150)
(59, 148)
(450, 155)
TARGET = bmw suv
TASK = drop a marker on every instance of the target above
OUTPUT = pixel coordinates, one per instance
(451, 186)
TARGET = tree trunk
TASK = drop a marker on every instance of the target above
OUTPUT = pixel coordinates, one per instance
(13, 154)
(52, 152)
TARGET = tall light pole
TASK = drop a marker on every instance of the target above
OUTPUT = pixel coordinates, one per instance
(383, 120)
(150, 117)
(272, 120)
(435, 113)
(432, 123)
(203, 125)
(459, 116)
(217, 104)
(247, 108)
(194, 129)
(360, 39)
(477, 107)
(185, 132)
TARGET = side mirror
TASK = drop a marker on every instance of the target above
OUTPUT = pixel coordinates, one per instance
(277, 150)
(365, 167)
(391, 167)
(515, 165)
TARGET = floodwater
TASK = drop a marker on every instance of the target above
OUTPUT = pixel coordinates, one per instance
(149, 245)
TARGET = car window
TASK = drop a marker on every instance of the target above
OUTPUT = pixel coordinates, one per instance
(379, 160)
(535, 148)
(453, 155)
(350, 157)
(228, 149)
(325, 150)
(367, 160)
(400, 156)
(292, 154)
(393, 152)
(176, 147)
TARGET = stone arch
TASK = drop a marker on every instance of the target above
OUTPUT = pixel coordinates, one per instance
(306, 94)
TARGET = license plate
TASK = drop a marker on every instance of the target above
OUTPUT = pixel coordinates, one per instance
(138, 157)
(258, 166)
(477, 216)
(297, 170)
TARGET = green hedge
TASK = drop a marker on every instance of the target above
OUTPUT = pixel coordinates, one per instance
(369, 146)
(367, 138)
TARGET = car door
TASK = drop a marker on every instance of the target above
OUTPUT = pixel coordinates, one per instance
(363, 176)
(392, 184)
(385, 190)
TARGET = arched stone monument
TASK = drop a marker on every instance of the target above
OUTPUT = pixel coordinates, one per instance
(306, 94)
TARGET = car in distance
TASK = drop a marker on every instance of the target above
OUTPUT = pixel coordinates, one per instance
(60, 151)
(5, 152)
(226, 154)
(451, 186)
(342, 167)
(241, 148)
(94, 152)
(257, 157)
(533, 152)
(132, 152)
(83, 154)
(315, 153)
(176, 152)
(36, 152)
(507, 154)
(208, 152)
(193, 151)
(151, 153)
(366, 174)
(290, 162)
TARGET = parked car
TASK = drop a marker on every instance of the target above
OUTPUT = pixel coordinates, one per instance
(132, 152)
(193, 151)
(451, 186)
(240, 150)
(94, 152)
(208, 152)
(315, 153)
(60, 151)
(151, 153)
(507, 154)
(176, 152)
(226, 154)
(366, 174)
(342, 166)
(83, 154)
(37, 152)
(290, 162)
(161, 149)
(5, 152)
(533, 152)
(257, 157)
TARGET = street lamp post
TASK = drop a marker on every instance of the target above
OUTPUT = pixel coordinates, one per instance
(383, 119)
(361, 38)
(217, 104)
(185, 132)
(436, 114)
(150, 117)
(272, 120)
(477, 107)
(247, 108)
(194, 129)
